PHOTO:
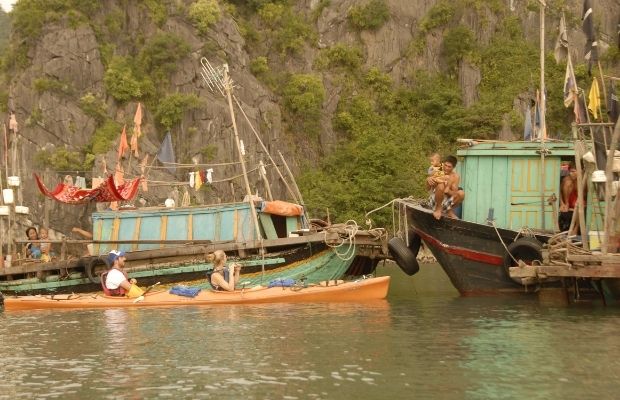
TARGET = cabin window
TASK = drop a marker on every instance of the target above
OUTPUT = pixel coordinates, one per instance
(279, 223)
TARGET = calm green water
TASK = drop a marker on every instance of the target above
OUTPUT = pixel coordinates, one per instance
(423, 342)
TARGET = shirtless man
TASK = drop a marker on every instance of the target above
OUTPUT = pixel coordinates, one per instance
(568, 201)
(446, 194)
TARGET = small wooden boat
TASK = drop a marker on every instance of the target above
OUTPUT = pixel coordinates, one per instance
(360, 290)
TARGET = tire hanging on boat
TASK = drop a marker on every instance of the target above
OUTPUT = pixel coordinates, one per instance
(404, 256)
(526, 249)
(90, 269)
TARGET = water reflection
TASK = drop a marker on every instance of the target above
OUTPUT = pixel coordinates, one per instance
(419, 343)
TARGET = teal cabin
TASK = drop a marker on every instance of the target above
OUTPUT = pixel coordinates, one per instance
(218, 223)
(507, 177)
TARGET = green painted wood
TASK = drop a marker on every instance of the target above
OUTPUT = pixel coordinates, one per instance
(292, 224)
(326, 265)
(468, 169)
(126, 231)
(204, 225)
(150, 228)
(267, 224)
(177, 226)
(507, 178)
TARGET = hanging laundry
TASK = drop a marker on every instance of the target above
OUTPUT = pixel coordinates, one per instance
(203, 176)
(137, 121)
(145, 187)
(209, 175)
(119, 174)
(198, 181)
(122, 145)
(134, 145)
(68, 180)
(191, 179)
(80, 182)
(13, 126)
(97, 182)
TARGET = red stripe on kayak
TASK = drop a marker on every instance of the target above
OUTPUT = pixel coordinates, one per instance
(463, 252)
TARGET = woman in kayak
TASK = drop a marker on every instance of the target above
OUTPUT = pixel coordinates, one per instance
(222, 277)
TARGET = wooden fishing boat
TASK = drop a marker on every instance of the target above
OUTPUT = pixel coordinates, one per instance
(353, 291)
(503, 209)
(170, 245)
(270, 239)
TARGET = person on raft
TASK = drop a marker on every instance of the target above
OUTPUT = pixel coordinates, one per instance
(116, 280)
(222, 277)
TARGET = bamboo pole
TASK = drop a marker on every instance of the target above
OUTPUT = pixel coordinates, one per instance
(579, 210)
(609, 175)
(267, 152)
(265, 180)
(227, 86)
(288, 170)
(542, 104)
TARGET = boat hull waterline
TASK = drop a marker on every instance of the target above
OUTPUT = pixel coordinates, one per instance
(354, 291)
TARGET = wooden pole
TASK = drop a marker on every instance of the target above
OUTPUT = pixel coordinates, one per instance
(543, 100)
(227, 86)
(609, 175)
(265, 180)
(582, 222)
(290, 174)
(290, 191)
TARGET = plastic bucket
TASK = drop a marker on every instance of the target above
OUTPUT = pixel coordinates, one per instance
(13, 180)
(22, 209)
(7, 196)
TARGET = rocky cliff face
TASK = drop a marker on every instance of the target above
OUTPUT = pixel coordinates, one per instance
(71, 56)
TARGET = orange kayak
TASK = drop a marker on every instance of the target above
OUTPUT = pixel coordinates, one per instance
(362, 290)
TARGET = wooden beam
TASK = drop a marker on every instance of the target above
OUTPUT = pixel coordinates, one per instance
(551, 271)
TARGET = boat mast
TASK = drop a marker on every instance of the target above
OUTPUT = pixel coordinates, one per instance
(219, 78)
(543, 128)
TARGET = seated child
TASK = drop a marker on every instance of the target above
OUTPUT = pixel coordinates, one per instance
(46, 247)
(33, 250)
(435, 170)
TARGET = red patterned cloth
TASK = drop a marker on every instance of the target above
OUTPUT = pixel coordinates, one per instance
(106, 192)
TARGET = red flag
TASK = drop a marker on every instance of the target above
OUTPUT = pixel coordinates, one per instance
(137, 121)
(134, 144)
(122, 146)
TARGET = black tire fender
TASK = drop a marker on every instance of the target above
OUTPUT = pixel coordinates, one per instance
(90, 269)
(525, 249)
(404, 256)
(415, 241)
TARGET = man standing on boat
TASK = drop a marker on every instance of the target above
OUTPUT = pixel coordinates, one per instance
(446, 194)
(568, 201)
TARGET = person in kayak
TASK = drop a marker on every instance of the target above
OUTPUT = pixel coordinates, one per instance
(222, 277)
(116, 280)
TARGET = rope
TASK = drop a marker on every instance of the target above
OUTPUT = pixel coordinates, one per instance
(504, 244)
(346, 234)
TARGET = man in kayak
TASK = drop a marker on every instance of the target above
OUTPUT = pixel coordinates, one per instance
(222, 277)
(116, 281)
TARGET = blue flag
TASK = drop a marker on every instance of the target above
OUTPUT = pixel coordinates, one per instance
(166, 153)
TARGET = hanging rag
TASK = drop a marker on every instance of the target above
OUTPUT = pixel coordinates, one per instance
(191, 179)
(210, 176)
(80, 182)
(198, 180)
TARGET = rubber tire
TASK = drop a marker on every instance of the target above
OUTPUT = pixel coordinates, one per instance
(403, 256)
(90, 270)
(415, 241)
(525, 249)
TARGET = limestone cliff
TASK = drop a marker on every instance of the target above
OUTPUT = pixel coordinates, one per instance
(68, 60)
